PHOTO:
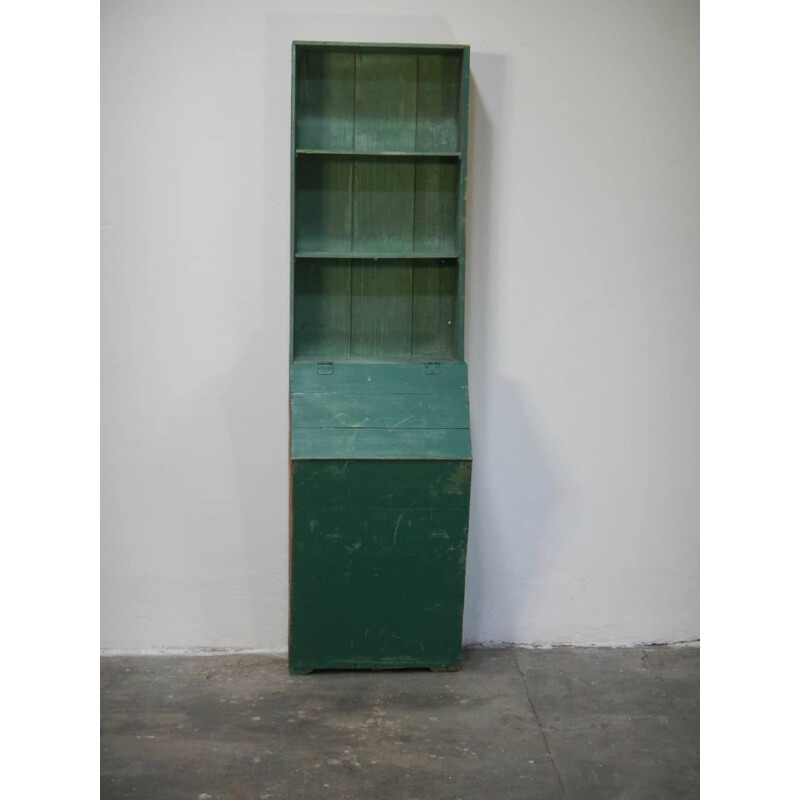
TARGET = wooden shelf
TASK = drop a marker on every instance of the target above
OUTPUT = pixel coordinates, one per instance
(379, 154)
(376, 256)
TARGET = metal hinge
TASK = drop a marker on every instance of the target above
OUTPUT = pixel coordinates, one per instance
(432, 369)
(324, 367)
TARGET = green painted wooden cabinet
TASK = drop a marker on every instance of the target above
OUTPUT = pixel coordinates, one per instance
(381, 456)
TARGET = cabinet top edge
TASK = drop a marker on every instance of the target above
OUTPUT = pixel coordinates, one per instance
(397, 46)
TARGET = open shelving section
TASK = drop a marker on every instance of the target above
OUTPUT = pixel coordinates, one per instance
(378, 204)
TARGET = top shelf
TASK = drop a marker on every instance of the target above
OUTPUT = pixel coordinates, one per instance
(379, 154)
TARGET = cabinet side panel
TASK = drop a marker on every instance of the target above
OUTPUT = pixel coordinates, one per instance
(463, 113)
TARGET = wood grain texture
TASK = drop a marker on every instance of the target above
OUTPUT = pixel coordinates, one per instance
(381, 309)
(436, 206)
(324, 204)
(438, 101)
(324, 410)
(383, 205)
(325, 99)
(385, 101)
(322, 308)
(434, 309)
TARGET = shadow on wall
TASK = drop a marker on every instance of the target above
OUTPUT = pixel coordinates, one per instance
(516, 489)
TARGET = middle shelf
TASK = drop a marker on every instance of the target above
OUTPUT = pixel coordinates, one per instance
(380, 154)
(368, 207)
(375, 256)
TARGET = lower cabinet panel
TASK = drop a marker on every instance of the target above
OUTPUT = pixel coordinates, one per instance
(378, 557)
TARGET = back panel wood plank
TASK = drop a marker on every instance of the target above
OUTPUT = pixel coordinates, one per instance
(434, 308)
(385, 101)
(325, 99)
(322, 308)
(324, 204)
(381, 324)
(436, 206)
(438, 102)
(383, 205)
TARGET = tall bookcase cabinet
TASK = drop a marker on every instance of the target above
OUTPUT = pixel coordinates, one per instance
(380, 443)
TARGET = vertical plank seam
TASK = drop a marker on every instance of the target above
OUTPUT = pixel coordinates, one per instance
(413, 264)
(352, 204)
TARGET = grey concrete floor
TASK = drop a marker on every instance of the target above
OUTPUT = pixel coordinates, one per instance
(567, 722)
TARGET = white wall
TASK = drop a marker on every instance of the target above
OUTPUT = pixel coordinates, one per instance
(582, 314)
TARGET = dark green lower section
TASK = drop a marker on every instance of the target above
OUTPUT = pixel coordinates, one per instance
(378, 557)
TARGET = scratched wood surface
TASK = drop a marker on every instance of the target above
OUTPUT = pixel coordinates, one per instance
(380, 411)
(378, 561)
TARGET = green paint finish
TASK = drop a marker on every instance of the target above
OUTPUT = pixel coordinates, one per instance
(462, 202)
(438, 101)
(345, 484)
(380, 438)
(379, 378)
(373, 256)
(325, 410)
(434, 311)
(381, 309)
(301, 151)
(385, 101)
(381, 443)
(377, 585)
(436, 206)
(324, 206)
(383, 204)
(361, 308)
(324, 98)
(322, 309)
